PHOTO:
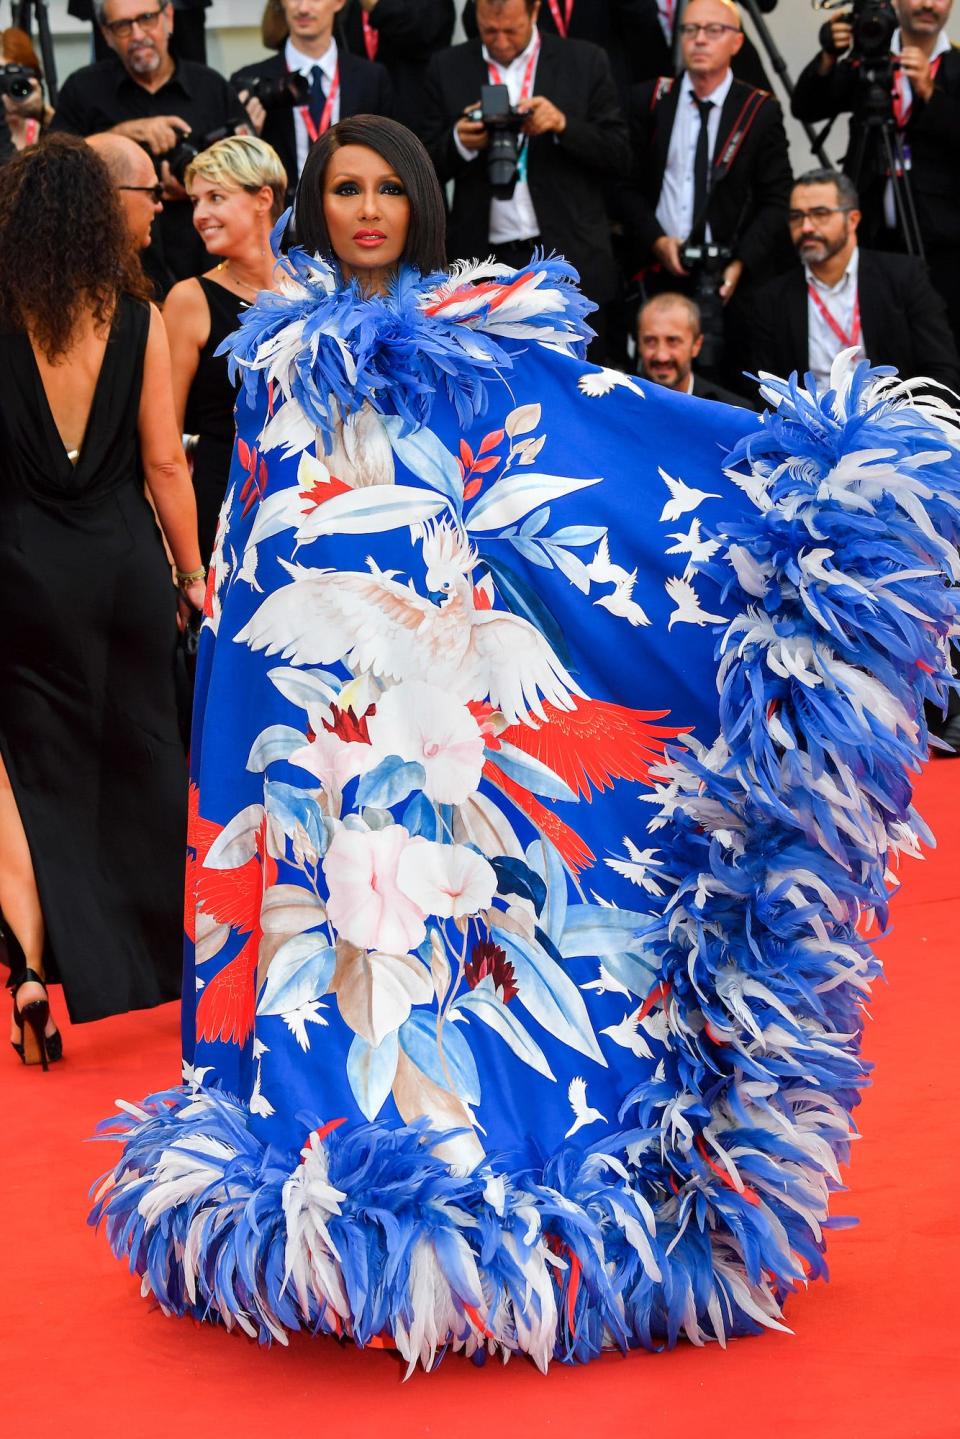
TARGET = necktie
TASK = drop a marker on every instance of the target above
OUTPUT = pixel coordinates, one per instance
(317, 98)
(701, 171)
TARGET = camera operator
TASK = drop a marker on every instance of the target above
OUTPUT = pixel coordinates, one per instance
(921, 77)
(21, 86)
(841, 296)
(706, 206)
(561, 117)
(335, 84)
(147, 94)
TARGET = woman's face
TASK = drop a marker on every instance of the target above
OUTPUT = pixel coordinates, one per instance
(227, 219)
(367, 211)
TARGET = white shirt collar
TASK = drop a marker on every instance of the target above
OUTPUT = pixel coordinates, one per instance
(717, 95)
(518, 60)
(850, 275)
(942, 46)
(303, 64)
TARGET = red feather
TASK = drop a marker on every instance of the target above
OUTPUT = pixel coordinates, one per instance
(568, 843)
(596, 743)
(227, 1003)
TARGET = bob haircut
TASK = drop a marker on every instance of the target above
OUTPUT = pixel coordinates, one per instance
(242, 162)
(402, 151)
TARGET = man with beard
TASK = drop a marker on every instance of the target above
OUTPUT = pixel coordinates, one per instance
(145, 93)
(669, 339)
(843, 297)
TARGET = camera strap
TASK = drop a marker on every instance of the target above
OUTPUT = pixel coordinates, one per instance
(526, 90)
(729, 149)
(371, 38)
(561, 18)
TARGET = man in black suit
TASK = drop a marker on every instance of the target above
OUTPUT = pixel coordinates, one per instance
(400, 35)
(841, 297)
(925, 109)
(669, 339)
(572, 137)
(711, 161)
(341, 84)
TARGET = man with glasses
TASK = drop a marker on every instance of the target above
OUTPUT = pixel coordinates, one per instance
(140, 194)
(148, 95)
(842, 297)
(711, 161)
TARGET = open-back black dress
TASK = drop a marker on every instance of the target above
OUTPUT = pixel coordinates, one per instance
(88, 727)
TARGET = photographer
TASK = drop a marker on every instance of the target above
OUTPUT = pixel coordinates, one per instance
(566, 132)
(706, 207)
(918, 71)
(143, 92)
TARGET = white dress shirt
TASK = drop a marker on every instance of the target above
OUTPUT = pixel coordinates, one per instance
(666, 9)
(675, 206)
(513, 219)
(303, 64)
(905, 91)
(840, 299)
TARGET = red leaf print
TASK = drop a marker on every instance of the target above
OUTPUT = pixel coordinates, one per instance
(491, 441)
(471, 488)
(263, 477)
(483, 467)
(243, 450)
(466, 454)
(460, 467)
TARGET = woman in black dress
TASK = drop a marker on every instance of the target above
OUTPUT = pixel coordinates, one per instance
(92, 783)
(237, 187)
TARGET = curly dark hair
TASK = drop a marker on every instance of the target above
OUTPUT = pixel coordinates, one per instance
(64, 244)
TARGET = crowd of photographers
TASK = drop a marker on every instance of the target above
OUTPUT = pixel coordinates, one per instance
(641, 142)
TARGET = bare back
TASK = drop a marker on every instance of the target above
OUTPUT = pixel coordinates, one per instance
(70, 382)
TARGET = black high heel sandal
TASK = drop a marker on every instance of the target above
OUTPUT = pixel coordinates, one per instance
(41, 1048)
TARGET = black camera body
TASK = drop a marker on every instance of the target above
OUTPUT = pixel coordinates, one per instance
(17, 81)
(275, 92)
(706, 263)
(190, 147)
(503, 124)
(874, 23)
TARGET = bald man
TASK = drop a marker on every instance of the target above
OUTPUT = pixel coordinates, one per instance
(135, 180)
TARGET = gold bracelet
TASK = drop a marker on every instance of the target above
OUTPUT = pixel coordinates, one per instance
(187, 578)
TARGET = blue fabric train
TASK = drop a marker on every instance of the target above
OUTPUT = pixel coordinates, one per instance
(554, 737)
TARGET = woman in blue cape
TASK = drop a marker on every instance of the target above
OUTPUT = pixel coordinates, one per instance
(553, 739)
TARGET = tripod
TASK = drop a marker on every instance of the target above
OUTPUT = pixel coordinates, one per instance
(878, 128)
(24, 11)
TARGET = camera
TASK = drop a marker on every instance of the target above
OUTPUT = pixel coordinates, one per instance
(706, 263)
(190, 147)
(275, 92)
(874, 24)
(17, 81)
(503, 124)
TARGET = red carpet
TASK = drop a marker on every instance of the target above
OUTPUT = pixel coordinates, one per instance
(873, 1355)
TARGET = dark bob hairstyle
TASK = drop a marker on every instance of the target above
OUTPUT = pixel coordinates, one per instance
(402, 151)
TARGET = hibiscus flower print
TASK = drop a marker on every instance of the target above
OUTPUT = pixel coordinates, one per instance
(424, 724)
(367, 906)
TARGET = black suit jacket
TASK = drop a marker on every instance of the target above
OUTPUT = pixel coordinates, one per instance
(932, 133)
(748, 205)
(365, 89)
(409, 32)
(565, 172)
(903, 321)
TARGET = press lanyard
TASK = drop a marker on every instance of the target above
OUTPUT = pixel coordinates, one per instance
(371, 38)
(667, 8)
(562, 21)
(526, 87)
(847, 341)
(326, 116)
(901, 108)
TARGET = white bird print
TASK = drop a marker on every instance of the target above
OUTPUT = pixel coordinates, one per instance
(193, 1074)
(688, 610)
(259, 1104)
(602, 570)
(635, 868)
(379, 627)
(620, 603)
(582, 1113)
(248, 569)
(601, 382)
(605, 983)
(698, 549)
(627, 1035)
(682, 497)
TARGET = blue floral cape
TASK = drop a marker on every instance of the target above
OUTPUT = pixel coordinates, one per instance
(553, 739)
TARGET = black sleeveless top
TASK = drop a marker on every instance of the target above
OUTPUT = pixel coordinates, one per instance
(209, 413)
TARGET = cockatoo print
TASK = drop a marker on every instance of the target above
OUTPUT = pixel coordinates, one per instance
(583, 1114)
(375, 625)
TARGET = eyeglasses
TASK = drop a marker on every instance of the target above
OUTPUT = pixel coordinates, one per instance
(817, 214)
(713, 31)
(154, 191)
(121, 29)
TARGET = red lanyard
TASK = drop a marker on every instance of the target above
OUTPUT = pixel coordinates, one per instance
(562, 22)
(666, 15)
(371, 38)
(901, 107)
(847, 341)
(525, 89)
(313, 130)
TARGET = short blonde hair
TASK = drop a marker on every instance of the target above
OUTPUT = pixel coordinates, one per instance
(242, 162)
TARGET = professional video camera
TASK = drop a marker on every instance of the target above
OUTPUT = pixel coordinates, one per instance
(17, 81)
(706, 264)
(503, 124)
(275, 92)
(190, 146)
